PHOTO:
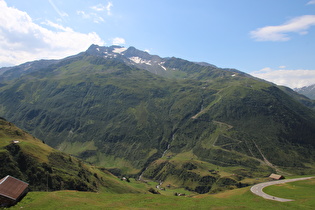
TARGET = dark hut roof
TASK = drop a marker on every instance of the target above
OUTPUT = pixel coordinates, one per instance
(276, 176)
(11, 187)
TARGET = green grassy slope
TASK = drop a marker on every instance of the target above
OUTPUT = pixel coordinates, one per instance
(45, 168)
(293, 190)
(234, 199)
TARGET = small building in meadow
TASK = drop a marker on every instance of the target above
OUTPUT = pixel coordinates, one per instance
(12, 190)
(276, 176)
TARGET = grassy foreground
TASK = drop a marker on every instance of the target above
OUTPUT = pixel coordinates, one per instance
(303, 192)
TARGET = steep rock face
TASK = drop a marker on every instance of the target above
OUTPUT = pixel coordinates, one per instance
(131, 57)
(111, 110)
(166, 67)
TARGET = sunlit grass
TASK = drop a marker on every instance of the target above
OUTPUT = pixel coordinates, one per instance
(294, 190)
(234, 199)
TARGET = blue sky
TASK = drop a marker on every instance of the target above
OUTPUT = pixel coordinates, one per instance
(270, 39)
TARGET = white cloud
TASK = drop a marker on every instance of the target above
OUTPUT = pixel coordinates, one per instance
(298, 25)
(60, 13)
(83, 14)
(96, 16)
(57, 26)
(101, 7)
(118, 41)
(291, 78)
(108, 8)
(98, 8)
(93, 16)
(266, 69)
(98, 19)
(22, 40)
(311, 2)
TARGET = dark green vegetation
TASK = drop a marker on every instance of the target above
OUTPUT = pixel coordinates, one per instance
(47, 169)
(192, 125)
(303, 193)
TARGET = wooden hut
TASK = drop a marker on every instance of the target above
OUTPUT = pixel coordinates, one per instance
(276, 176)
(12, 190)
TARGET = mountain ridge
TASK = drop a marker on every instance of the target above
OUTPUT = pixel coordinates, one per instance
(308, 91)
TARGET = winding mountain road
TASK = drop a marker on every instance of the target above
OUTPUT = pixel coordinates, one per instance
(258, 188)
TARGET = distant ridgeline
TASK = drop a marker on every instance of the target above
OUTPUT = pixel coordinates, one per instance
(189, 124)
(308, 91)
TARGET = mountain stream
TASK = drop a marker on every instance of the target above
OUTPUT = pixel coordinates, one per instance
(163, 154)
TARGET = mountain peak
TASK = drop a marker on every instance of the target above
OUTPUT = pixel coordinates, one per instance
(308, 91)
(131, 56)
(105, 51)
(100, 50)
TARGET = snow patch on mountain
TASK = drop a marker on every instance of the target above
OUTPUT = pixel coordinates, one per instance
(161, 64)
(110, 56)
(119, 50)
(140, 60)
(305, 88)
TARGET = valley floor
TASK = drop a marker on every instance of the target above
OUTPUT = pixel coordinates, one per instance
(303, 192)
